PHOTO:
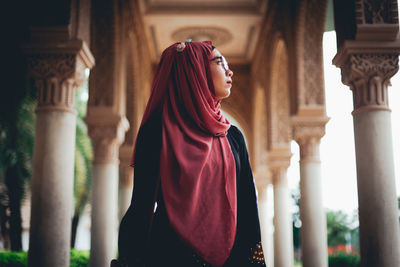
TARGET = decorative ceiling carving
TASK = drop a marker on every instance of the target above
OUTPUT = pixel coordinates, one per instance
(232, 25)
(220, 36)
(208, 6)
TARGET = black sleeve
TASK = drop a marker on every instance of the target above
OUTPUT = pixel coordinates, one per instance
(136, 224)
(248, 225)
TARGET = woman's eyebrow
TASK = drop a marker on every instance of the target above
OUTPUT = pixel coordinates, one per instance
(219, 57)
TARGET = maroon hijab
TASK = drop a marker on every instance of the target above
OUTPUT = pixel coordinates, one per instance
(197, 168)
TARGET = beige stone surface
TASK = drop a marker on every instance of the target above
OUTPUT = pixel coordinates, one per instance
(52, 189)
(313, 222)
(104, 214)
(283, 234)
(378, 211)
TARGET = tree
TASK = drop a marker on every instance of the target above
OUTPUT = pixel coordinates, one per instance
(16, 151)
(83, 160)
(296, 222)
(338, 228)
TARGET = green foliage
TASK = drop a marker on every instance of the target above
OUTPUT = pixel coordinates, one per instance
(17, 130)
(296, 222)
(344, 260)
(297, 263)
(19, 259)
(83, 157)
(337, 226)
(79, 258)
(398, 202)
(17, 133)
(83, 160)
(13, 259)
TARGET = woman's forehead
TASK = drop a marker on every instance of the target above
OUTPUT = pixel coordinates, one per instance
(216, 53)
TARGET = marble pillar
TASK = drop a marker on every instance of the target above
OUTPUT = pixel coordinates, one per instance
(58, 69)
(368, 75)
(265, 212)
(278, 162)
(283, 234)
(314, 245)
(107, 134)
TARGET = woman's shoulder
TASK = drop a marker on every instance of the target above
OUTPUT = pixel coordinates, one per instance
(149, 136)
(236, 135)
(235, 132)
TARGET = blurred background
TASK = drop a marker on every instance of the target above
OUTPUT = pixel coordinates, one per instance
(315, 94)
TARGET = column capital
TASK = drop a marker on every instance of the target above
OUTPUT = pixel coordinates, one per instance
(366, 68)
(58, 67)
(308, 127)
(262, 176)
(278, 163)
(307, 132)
(107, 134)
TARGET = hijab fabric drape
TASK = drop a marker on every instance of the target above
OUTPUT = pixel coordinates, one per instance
(197, 168)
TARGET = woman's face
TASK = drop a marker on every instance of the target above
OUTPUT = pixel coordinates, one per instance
(221, 75)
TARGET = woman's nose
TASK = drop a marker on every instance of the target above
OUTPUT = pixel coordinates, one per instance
(229, 73)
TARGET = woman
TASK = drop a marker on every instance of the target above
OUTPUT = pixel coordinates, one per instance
(194, 202)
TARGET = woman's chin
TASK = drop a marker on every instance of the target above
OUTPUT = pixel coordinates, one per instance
(228, 93)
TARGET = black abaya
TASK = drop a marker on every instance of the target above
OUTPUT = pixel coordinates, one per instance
(146, 237)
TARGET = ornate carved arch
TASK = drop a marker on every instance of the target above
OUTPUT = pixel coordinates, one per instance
(260, 134)
(279, 96)
(309, 29)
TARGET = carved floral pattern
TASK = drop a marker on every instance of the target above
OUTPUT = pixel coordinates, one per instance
(279, 108)
(260, 126)
(48, 65)
(376, 12)
(309, 31)
(368, 76)
(312, 54)
(56, 78)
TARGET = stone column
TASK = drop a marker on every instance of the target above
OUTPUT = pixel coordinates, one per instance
(278, 163)
(125, 179)
(107, 133)
(58, 69)
(314, 245)
(262, 179)
(368, 76)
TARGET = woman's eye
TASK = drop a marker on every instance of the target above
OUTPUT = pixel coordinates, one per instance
(219, 62)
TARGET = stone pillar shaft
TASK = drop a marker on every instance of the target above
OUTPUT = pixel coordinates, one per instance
(378, 212)
(262, 179)
(104, 214)
(308, 132)
(107, 133)
(312, 215)
(368, 77)
(52, 189)
(283, 235)
(57, 75)
(125, 189)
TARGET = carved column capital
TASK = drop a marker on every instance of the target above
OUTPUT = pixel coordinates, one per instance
(107, 135)
(309, 149)
(366, 68)
(278, 163)
(262, 176)
(368, 76)
(307, 132)
(58, 69)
